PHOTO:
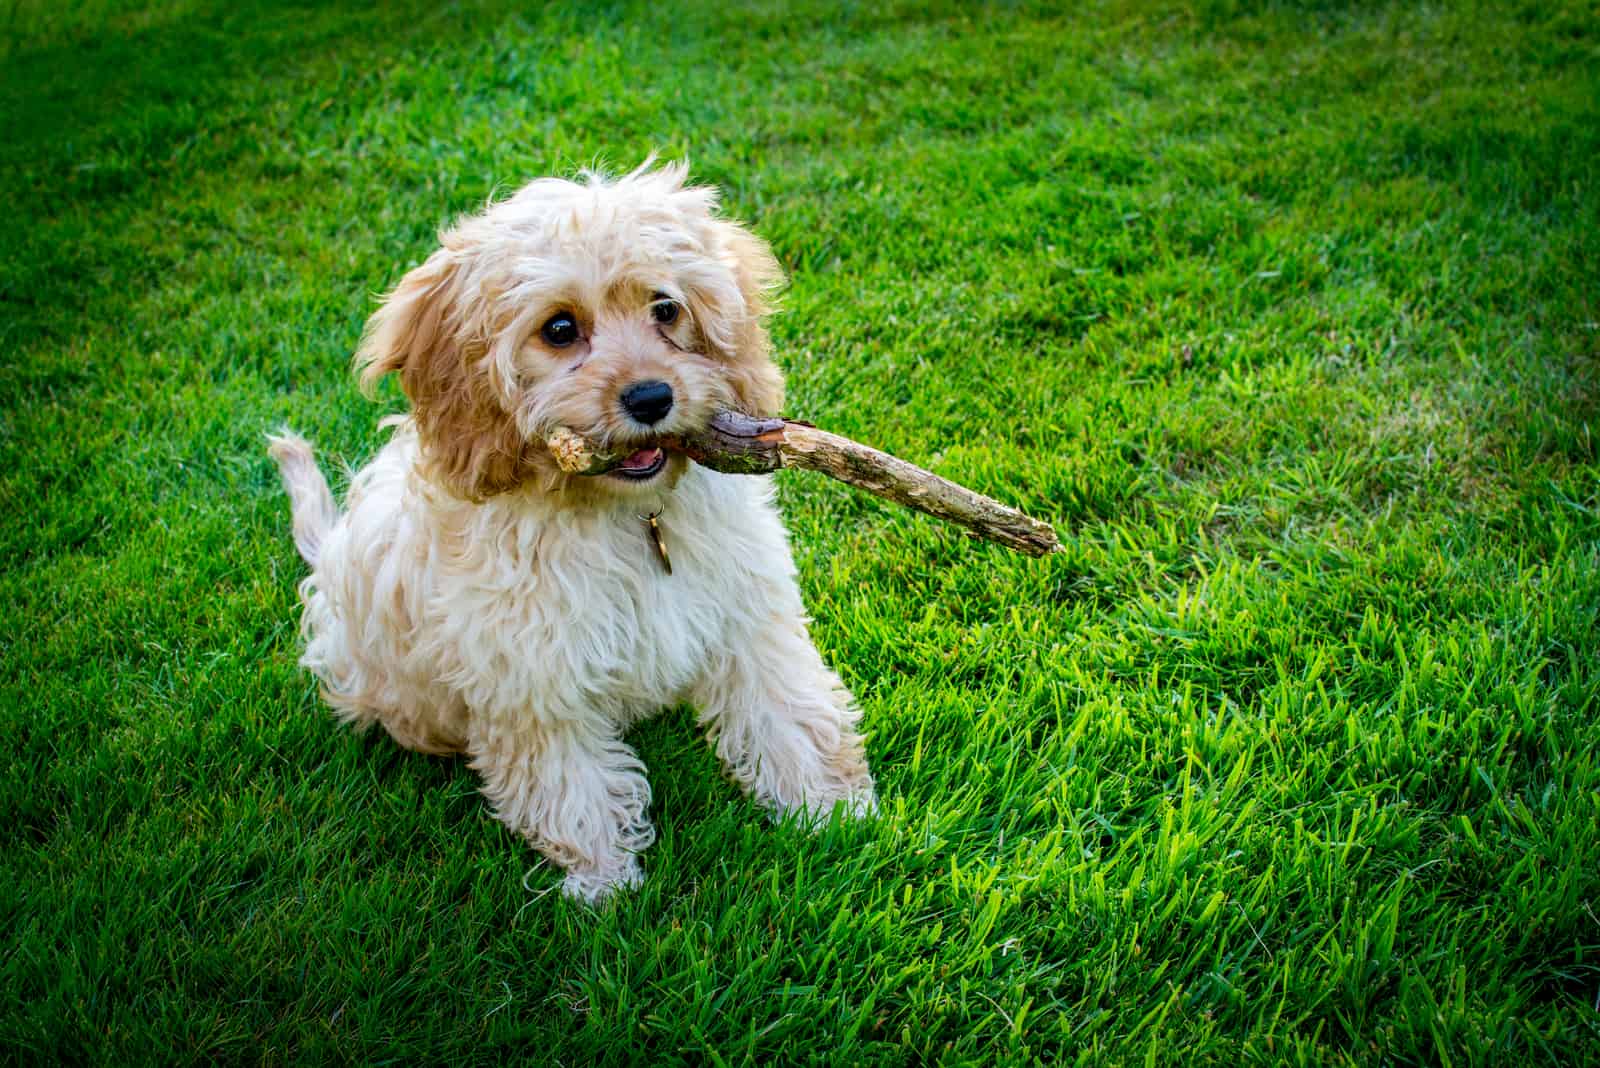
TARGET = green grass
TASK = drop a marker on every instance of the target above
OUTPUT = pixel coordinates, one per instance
(1284, 313)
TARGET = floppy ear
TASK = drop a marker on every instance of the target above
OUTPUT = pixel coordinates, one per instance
(756, 380)
(434, 336)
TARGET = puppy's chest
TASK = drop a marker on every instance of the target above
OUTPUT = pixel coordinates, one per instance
(596, 617)
(657, 594)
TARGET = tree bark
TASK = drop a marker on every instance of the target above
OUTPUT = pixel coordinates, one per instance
(739, 444)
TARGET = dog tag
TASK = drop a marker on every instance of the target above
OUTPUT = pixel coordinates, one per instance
(660, 542)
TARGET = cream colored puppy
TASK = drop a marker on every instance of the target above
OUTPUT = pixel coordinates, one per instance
(472, 598)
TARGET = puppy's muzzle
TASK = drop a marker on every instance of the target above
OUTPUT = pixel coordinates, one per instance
(648, 402)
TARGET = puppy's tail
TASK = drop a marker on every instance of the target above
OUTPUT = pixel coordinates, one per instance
(310, 500)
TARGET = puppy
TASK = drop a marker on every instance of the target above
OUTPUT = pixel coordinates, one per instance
(473, 598)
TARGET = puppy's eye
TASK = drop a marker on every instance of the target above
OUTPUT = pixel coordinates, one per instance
(663, 309)
(560, 331)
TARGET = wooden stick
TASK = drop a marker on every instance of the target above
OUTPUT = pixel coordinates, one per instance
(739, 444)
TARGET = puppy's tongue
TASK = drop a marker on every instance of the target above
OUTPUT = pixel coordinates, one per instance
(643, 460)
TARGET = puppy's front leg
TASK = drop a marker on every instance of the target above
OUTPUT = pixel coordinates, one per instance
(575, 791)
(783, 723)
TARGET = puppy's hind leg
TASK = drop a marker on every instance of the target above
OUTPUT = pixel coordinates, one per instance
(784, 724)
(576, 792)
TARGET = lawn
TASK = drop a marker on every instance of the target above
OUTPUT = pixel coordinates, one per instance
(1283, 313)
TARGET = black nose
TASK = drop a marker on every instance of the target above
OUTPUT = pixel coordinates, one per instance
(648, 402)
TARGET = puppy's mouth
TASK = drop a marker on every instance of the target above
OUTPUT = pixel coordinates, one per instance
(641, 466)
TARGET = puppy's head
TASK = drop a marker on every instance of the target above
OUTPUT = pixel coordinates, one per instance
(621, 308)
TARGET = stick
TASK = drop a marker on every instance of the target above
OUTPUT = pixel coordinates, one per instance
(739, 444)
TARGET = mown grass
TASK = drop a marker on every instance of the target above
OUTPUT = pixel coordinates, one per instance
(1285, 313)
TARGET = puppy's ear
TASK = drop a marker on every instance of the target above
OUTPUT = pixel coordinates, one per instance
(756, 380)
(434, 335)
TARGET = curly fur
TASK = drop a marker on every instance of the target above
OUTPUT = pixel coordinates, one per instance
(472, 598)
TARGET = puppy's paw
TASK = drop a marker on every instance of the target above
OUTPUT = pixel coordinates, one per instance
(593, 886)
(857, 802)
